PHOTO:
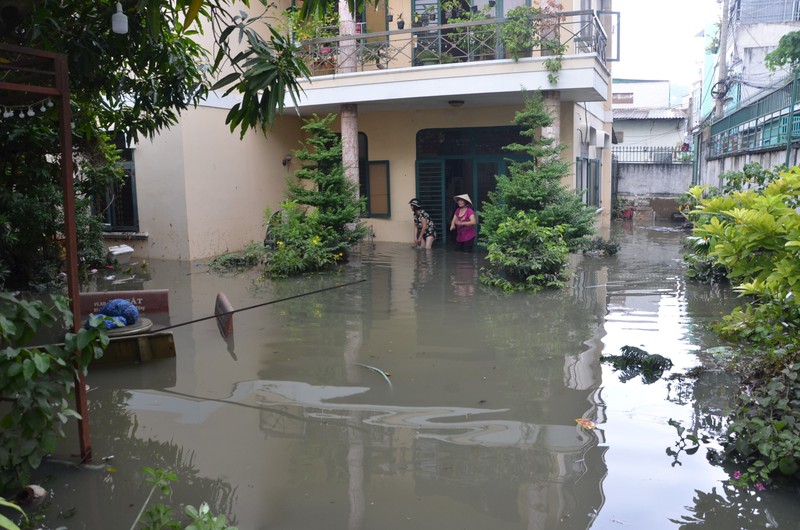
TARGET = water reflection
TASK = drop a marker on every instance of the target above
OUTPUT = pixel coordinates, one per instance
(477, 429)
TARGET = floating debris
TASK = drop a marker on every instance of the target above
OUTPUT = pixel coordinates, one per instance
(586, 424)
(379, 371)
(637, 362)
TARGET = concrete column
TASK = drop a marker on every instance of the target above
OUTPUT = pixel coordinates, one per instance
(552, 102)
(349, 119)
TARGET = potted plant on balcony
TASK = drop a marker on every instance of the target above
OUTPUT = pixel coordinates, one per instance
(471, 42)
(520, 31)
(400, 22)
(428, 57)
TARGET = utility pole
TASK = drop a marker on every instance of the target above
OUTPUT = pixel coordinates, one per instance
(722, 67)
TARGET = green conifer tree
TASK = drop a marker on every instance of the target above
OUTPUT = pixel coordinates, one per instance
(321, 216)
(531, 221)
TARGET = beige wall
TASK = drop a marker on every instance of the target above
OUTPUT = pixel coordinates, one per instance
(202, 191)
(161, 195)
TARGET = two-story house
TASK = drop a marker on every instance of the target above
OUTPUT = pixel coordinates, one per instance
(434, 104)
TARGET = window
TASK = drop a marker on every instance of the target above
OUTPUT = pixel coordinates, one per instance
(118, 206)
(619, 136)
(622, 98)
(587, 180)
(373, 181)
(376, 188)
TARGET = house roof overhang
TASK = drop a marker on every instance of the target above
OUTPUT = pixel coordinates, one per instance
(491, 83)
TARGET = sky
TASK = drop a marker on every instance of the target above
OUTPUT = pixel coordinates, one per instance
(659, 39)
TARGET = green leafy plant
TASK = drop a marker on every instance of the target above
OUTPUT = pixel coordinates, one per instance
(520, 31)
(5, 522)
(751, 230)
(550, 210)
(321, 218)
(637, 362)
(553, 64)
(37, 381)
(683, 445)
(474, 42)
(251, 256)
(601, 247)
(526, 256)
(302, 28)
(763, 435)
(161, 516)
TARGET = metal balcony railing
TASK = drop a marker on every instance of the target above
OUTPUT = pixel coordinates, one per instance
(576, 32)
(644, 154)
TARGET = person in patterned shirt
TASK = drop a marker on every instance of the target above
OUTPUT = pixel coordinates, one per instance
(424, 227)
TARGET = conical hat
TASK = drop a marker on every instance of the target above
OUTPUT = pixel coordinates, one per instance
(464, 196)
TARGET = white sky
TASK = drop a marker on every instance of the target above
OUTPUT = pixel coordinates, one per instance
(658, 39)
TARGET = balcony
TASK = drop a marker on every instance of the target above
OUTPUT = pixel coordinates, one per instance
(390, 68)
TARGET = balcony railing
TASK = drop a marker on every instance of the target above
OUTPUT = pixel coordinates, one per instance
(578, 32)
(644, 154)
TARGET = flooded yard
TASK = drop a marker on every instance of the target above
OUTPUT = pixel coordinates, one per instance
(292, 425)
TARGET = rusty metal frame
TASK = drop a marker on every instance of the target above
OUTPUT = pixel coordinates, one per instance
(26, 64)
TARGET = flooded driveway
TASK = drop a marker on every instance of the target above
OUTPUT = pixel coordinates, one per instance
(294, 426)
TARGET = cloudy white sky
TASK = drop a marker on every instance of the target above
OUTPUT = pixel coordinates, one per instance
(659, 39)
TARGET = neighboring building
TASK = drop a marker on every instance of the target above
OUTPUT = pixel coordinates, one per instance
(652, 148)
(756, 104)
(643, 118)
(434, 107)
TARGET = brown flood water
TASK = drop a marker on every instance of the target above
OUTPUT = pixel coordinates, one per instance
(287, 429)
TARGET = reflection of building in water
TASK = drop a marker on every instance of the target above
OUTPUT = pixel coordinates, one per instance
(516, 471)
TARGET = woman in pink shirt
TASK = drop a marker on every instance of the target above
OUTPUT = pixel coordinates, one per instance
(464, 221)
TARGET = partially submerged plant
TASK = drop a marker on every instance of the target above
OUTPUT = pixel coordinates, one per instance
(637, 362)
(248, 258)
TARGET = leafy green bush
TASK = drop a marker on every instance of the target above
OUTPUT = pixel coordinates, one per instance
(752, 232)
(300, 243)
(763, 436)
(755, 235)
(526, 256)
(37, 381)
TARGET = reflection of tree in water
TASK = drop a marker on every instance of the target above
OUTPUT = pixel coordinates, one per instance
(514, 483)
(734, 508)
(546, 333)
(114, 485)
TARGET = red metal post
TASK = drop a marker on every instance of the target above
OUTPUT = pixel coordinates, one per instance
(71, 237)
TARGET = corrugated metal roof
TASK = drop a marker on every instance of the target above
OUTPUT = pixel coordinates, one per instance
(649, 114)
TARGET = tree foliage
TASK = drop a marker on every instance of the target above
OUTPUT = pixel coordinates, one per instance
(786, 54)
(121, 87)
(531, 221)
